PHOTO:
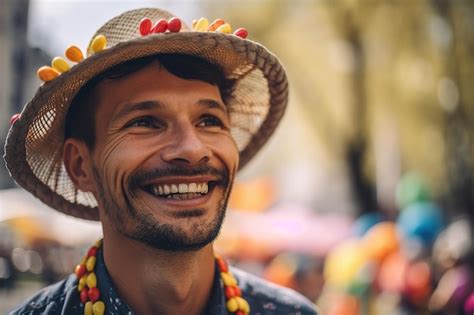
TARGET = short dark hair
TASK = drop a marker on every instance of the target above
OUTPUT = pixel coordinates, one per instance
(80, 120)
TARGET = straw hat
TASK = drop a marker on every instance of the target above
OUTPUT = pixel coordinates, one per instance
(33, 150)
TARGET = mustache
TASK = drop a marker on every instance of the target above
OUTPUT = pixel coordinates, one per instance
(145, 176)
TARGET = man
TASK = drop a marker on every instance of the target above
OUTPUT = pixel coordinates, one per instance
(146, 135)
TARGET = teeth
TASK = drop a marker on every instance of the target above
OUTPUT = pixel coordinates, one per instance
(174, 189)
(191, 188)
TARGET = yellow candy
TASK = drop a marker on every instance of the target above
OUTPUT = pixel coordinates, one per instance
(60, 64)
(88, 308)
(98, 308)
(74, 54)
(83, 280)
(46, 73)
(243, 305)
(91, 280)
(90, 263)
(232, 305)
(80, 287)
(201, 25)
(224, 28)
(98, 43)
(228, 279)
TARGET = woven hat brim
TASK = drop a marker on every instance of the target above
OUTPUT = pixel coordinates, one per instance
(33, 150)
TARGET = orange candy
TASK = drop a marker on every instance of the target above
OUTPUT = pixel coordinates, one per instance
(46, 73)
(214, 25)
(74, 54)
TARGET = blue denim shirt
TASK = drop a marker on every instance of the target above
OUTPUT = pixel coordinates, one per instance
(263, 297)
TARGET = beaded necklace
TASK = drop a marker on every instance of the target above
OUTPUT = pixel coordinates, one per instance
(89, 292)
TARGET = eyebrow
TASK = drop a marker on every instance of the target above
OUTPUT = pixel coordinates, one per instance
(128, 108)
(213, 104)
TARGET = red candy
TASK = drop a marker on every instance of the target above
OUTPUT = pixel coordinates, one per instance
(84, 295)
(14, 119)
(229, 292)
(161, 26)
(241, 32)
(239, 312)
(238, 291)
(92, 251)
(222, 264)
(174, 25)
(145, 26)
(94, 294)
(80, 271)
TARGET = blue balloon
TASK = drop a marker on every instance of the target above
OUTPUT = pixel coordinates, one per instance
(422, 220)
(365, 222)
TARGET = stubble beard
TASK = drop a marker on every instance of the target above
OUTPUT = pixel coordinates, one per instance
(144, 227)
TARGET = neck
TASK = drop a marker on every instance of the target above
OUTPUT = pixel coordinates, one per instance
(158, 281)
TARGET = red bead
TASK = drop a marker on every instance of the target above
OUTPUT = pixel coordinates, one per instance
(239, 312)
(229, 292)
(80, 271)
(241, 32)
(84, 295)
(238, 291)
(145, 26)
(92, 251)
(160, 27)
(94, 294)
(14, 119)
(174, 25)
(221, 263)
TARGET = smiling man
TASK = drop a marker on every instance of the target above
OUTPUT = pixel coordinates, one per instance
(146, 135)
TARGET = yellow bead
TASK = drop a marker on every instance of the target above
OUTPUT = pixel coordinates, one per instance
(46, 73)
(90, 263)
(228, 279)
(201, 25)
(98, 308)
(83, 280)
(243, 304)
(80, 287)
(60, 64)
(74, 54)
(98, 43)
(232, 305)
(91, 280)
(88, 308)
(83, 260)
(224, 28)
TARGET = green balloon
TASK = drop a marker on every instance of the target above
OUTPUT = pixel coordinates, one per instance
(410, 189)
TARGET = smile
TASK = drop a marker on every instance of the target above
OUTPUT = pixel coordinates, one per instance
(179, 191)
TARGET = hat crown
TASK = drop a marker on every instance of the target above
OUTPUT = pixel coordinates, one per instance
(125, 27)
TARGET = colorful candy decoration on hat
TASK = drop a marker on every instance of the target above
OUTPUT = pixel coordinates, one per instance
(219, 25)
(74, 54)
(146, 26)
(14, 118)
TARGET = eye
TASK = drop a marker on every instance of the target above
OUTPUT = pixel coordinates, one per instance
(210, 121)
(147, 122)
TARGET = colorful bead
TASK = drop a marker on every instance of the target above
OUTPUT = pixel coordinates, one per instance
(214, 25)
(14, 118)
(232, 305)
(90, 263)
(240, 312)
(88, 308)
(222, 264)
(241, 32)
(201, 25)
(174, 25)
(224, 28)
(98, 43)
(229, 292)
(98, 308)
(228, 279)
(193, 23)
(161, 26)
(93, 294)
(59, 64)
(74, 54)
(92, 251)
(91, 280)
(145, 26)
(243, 305)
(47, 74)
(84, 295)
(238, 291)
(80, 270)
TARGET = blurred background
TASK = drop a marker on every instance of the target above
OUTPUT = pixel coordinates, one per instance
(363, 200)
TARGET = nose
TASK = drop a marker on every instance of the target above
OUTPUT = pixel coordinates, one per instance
(186, 148)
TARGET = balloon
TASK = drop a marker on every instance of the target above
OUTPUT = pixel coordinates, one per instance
(410, 189)
(421, 220)
(391, 276)
(343, 263)
(364, 223)
(381, 240)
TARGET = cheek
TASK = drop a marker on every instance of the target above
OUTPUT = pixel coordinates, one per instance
(226, 150)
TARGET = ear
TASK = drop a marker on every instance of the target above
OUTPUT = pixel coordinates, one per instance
(78, 163)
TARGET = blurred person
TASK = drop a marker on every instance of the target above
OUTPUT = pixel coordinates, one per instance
(146, 134)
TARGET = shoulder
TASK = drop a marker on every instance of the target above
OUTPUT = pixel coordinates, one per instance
(268, 298)
(49, 300)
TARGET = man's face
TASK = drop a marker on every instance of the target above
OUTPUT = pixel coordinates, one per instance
(164, 158)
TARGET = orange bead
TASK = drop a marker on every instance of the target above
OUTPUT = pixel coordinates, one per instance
(46, 73)
(214, 25)
(74, 54)
(238, 291)
(80, 271)
(221, 263)
(229, 292)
